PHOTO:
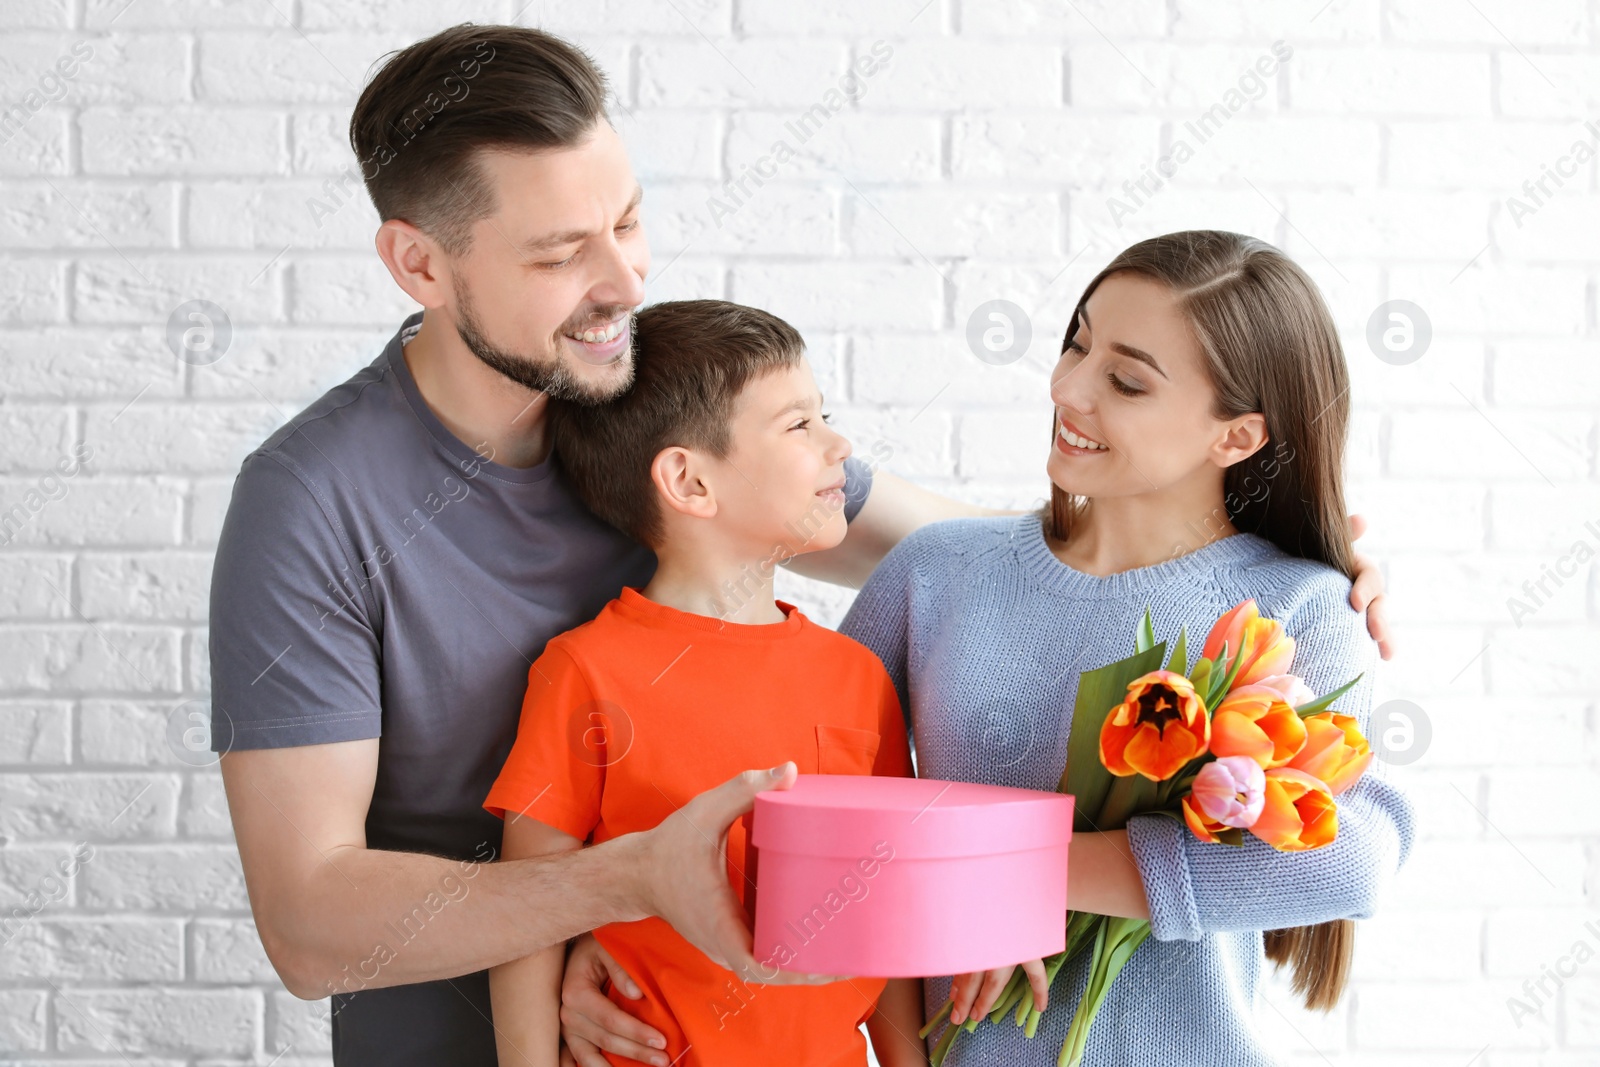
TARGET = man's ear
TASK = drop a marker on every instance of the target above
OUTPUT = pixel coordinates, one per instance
(415, 261)
(678, 476)
(1244, 438)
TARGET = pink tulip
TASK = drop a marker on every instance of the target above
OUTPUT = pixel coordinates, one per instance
(1230, 791)
(1293, 688)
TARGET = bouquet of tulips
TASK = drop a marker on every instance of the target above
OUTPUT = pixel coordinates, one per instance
(1233, 744)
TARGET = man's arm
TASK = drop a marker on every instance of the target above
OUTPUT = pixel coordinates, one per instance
(526, 993)
(892, 510)
(895, 507)
(323, 901)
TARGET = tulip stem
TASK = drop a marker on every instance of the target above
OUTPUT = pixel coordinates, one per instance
(942, 1049)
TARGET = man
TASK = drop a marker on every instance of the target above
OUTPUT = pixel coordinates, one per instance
(396, 556)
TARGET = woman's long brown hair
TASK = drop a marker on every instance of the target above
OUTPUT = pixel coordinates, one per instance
(1270, 346)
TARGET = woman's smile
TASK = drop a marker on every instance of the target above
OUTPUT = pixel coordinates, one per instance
(1074, 443)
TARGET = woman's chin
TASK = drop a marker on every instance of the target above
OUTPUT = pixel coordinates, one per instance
(1068, 481)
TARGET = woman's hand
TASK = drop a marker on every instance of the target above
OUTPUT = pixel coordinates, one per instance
(591, 1022)
(974, 995)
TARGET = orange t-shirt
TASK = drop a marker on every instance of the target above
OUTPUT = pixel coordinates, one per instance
(629, 717)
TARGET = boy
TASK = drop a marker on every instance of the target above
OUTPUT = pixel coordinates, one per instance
(720, 459)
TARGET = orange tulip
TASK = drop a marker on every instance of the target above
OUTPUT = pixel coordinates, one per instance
(1255, 721)
(1161, 726)
(1298, 814)
(1200, 824)
(1266, 649)
(1334, 751)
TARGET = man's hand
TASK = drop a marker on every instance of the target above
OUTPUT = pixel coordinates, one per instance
(684, 876)
(1367, 592)
(591, 1022)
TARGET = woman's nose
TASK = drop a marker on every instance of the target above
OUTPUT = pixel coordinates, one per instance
(1069, 384)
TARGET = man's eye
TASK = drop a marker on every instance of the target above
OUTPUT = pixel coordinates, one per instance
(558, 265)
(629, 227)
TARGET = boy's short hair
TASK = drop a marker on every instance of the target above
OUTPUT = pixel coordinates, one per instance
(692, 359)
(423, 120)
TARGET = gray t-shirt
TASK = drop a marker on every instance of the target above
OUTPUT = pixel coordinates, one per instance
(378, 578)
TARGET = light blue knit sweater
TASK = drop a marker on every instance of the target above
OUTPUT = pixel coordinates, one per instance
(984, 632)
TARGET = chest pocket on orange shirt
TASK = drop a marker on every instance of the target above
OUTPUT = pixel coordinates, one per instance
(846, 750)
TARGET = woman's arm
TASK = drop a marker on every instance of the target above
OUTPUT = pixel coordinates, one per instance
(1195, 889)
(525, 994)
(1103, 877)
(894, 1024)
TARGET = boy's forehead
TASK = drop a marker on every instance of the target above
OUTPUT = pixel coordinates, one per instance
(779, 390)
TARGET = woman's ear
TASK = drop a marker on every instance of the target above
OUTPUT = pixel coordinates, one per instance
(676, 473)
(1243, 439)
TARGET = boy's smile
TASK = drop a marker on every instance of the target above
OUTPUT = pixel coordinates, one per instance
(782, 482)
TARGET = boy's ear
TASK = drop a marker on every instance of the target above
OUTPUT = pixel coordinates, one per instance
(676, 473)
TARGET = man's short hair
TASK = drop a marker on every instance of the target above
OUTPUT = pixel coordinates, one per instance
(421, 122)
(692, 358)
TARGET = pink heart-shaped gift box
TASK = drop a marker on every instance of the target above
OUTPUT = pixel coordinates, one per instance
(874, 877)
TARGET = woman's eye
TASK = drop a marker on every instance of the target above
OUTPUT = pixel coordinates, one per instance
(1122, 387)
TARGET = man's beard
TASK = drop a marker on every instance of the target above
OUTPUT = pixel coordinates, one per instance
(551, 376)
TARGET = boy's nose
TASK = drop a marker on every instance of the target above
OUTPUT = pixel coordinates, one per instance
(842, 448)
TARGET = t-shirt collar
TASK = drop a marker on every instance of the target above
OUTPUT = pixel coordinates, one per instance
(469, 460)
(635, 605)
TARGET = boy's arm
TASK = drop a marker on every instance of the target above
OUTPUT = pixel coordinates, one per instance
(525, 994)
(894, 1024)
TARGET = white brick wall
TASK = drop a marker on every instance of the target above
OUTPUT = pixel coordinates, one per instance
(177, 162)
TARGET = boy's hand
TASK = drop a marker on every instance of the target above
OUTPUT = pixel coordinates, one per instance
(975, 994)
(591, 1022)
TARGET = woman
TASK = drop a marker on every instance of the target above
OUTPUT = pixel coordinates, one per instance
(1201, 405)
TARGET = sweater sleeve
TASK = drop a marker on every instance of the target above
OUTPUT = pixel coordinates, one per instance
(1195, 888)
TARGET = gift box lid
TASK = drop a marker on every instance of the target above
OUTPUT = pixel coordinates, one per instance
(849, 815)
